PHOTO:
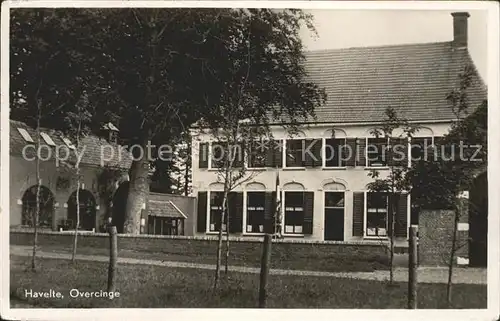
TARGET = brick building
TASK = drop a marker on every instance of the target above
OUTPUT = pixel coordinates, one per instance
(329, 199)
(162, 214)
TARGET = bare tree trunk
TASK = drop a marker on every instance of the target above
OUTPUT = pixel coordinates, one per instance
(227, 245)
(75, 237)
(35, 220)
(392, 241)
(219, 244)
(186, 169)
(137, 194)
(77, 167)
(452, 258)
(38, 188)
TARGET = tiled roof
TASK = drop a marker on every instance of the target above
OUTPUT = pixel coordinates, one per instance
(93, 145)
(414, 79)
(164, 209)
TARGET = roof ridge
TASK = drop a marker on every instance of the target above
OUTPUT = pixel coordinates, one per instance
(418, 44)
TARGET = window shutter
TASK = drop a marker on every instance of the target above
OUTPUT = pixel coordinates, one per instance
(401, 224)
(349, 153)
(274, 154)
(201, 222)
(361, 152)
(312, 152)
(203, 155)
(308, 213)
(269, 212)
(235, 212)
(278, 153)
(358, 213)
(399, 152)
(239, 155)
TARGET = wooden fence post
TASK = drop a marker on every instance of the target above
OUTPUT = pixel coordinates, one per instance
(412, 267)
(113, 254)
(264, 269)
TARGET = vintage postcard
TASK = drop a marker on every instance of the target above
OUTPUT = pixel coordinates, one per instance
(249, 159)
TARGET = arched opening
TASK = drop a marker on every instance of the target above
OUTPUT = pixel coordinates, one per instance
(478, 221)
(87, 205)
(46, 205)
(119, 204)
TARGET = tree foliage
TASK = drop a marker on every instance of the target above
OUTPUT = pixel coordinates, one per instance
(458, 158)
(154, 72)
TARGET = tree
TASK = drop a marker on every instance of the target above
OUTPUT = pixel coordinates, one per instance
(155, 71)
(106, 186)
(45, 76)
(163, 78)
(262, 81)
(396, 132)
(438, 182)
(78, 126)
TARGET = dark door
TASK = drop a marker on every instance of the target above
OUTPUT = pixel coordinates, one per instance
(334, 216)
(334, 224)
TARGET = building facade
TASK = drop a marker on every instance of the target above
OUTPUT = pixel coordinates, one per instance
(324, 195)
(103, 186)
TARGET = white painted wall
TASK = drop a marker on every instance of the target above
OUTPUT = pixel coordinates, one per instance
(313, 179)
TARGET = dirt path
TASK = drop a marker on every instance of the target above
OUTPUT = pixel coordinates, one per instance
(425, 274)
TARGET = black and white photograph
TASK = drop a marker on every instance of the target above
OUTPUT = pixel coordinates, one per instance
(166, 155)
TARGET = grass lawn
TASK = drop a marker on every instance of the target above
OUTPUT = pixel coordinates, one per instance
(312, 261)
(162, 287)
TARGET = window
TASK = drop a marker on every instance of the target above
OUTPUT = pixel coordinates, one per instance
(335, 152)
(68, 143)
(218, 154)
(294, 154)
(47, 139)
(25, 135)
(222, 152)
(164, 225)
(294, 212)
(420, 148)
(376, 152)
(255, 212)
(216, 199)
(113, 137)
(258, 152)
(376, 214)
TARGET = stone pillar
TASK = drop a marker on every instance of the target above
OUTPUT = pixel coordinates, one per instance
(436, 235)
(462, 252)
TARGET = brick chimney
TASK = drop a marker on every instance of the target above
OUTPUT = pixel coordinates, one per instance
(460, 29)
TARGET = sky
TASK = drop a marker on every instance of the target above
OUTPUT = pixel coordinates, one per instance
(361, 28)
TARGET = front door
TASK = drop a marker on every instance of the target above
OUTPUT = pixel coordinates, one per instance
(334, 216)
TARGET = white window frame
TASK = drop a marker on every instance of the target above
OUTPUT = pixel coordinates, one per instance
(335, 207)
(246, 162)
(245, 213)
(386, 166)
(207, 227)
(284, 153)
(48, 140)
(365, 220)
(323, 154)
(283, 213)
(26, 136)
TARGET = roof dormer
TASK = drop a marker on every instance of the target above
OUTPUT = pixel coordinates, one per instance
(110, 131)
